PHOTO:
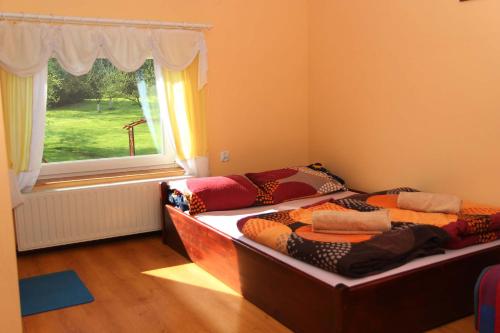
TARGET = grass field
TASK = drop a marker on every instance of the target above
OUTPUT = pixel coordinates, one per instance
(79, 132)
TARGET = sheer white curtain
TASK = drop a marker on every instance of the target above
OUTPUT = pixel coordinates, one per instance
(197, 166)
(151, 112)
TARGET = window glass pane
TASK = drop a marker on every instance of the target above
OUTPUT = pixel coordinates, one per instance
(103, 114)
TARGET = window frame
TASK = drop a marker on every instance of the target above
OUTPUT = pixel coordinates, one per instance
(164, 160)
(106, 165)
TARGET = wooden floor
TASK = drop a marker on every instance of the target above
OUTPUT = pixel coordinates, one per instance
(140, 285)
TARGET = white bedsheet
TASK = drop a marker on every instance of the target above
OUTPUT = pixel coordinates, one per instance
(225, 222)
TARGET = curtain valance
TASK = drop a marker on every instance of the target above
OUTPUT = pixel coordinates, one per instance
(26, 47)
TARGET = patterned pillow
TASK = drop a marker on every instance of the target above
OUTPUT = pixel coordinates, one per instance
(217, 193)
(297, 182)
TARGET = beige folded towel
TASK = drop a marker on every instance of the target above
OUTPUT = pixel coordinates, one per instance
(429, 202)
(351, 222)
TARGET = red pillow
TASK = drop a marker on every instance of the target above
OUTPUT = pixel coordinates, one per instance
(220, 193)
(297, 182)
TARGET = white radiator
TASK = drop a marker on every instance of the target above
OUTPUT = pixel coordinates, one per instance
(60, 217)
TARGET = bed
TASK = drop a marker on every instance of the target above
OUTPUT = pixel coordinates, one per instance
(420, 295)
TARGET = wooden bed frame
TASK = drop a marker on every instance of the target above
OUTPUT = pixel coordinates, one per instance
(411, 301)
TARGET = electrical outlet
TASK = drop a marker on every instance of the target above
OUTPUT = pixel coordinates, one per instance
(224, 156)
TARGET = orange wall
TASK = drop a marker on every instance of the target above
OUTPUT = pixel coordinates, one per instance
(415, 85)
(10, 318)
(407, 92)
(258, 63)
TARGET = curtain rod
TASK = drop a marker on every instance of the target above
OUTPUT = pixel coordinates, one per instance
(103, 21)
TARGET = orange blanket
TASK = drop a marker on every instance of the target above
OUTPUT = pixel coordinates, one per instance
(353, 255)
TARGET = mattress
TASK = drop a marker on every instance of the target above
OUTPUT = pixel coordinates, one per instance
(226, 223)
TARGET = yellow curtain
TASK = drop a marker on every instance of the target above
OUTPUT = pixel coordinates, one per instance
(186, 108)
(17, 104)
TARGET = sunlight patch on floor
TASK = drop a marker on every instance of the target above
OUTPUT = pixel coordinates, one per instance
(193, 275)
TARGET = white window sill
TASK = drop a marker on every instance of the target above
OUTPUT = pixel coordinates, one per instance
(67, 183)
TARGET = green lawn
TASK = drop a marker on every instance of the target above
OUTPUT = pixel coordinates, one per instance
(79, 132)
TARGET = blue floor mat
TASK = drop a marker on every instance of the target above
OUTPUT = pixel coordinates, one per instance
(52, 291)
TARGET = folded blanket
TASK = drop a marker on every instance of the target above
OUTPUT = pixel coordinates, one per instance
(290, 232)
(477, 224)
(429, 202)
(392, 249)
(473, 229)
(351, 222)
(474, 223)
(459, 242)
(412, 234)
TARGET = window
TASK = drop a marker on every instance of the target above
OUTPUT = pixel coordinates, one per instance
(106, 120)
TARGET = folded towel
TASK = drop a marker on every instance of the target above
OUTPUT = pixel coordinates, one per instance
(429, 202)
(351, 222)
